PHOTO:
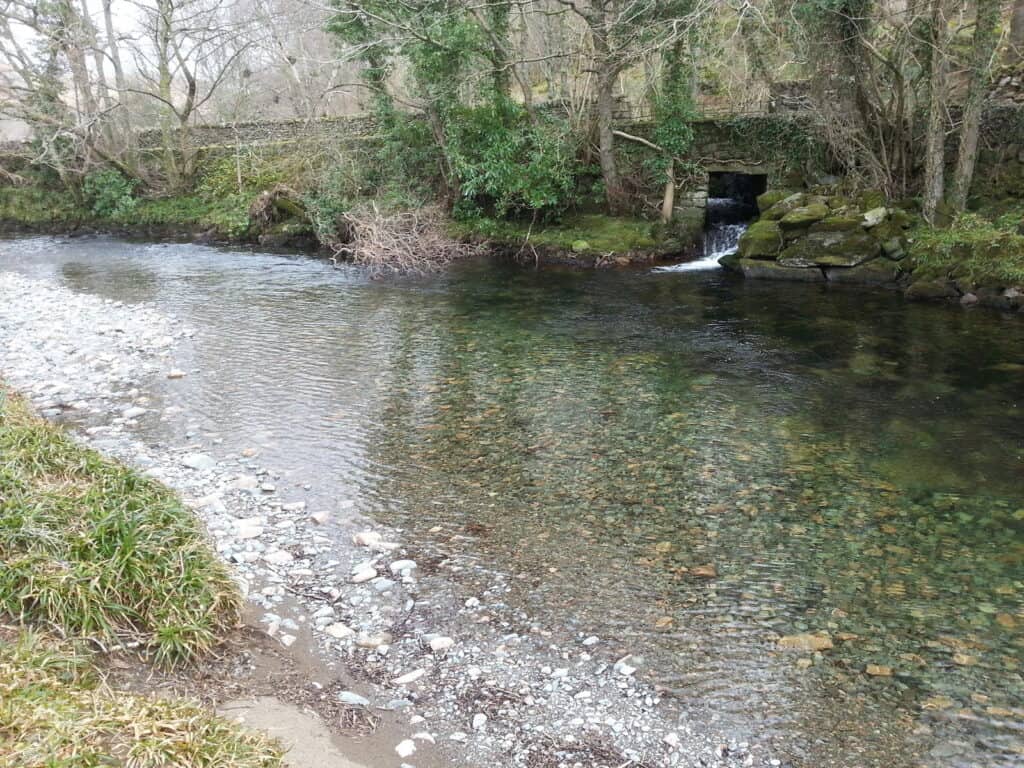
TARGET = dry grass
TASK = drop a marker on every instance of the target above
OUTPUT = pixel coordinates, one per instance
(56, 711)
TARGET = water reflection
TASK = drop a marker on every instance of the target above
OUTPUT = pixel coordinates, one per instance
(690, 464)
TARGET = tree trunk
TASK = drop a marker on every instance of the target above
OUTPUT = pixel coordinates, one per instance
(986, 35)
(614, 192)
(668, 199)
(1015, 44)
(934, 160)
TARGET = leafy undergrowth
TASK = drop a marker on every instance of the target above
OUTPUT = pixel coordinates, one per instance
(55, 711)
(587, 233)
(95, 550)
(974, 249)
(228, 215)
(33, 205)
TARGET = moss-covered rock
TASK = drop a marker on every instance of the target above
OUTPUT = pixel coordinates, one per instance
(762, 240)
(832, 249)
(837, 223)
(768, 199)
(875, 272)
(755, 269)
(784, 206)
(930, 289)
(803, 216)
(901, 218)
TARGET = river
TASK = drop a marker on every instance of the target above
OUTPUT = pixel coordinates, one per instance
(689, 463)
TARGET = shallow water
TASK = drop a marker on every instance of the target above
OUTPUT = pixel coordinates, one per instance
(844, 461)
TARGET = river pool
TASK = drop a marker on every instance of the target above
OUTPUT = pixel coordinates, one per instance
(695, 465)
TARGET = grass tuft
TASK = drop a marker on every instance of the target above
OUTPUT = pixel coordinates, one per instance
(92, 549)
(55, 711)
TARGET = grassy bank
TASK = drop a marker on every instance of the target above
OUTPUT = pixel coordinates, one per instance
(984, 248)
(94, 552)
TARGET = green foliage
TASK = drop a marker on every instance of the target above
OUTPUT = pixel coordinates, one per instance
(973, 250)
(229, 215)
(100, 552)
(509, 165)
(673, 114)
(108, 194)
(55, 711)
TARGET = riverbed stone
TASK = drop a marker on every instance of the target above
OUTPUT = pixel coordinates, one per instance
(198, 461)
(820, 641)
(762, 240)
(769, 270)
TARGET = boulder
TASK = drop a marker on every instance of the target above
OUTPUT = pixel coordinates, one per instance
(755, 269)
(768, 199)
(831, 249)
(874, 217)
(803, 216)
(876, 272)
(762, 240)
(836, 223)
(893, 249)
(784, 206)
(930, 289)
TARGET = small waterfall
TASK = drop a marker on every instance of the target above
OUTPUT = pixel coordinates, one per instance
(727, 219)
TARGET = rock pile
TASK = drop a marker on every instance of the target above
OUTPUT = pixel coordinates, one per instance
(818, 238)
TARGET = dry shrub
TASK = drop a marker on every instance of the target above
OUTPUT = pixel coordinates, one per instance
(407, 242)
(276, 204)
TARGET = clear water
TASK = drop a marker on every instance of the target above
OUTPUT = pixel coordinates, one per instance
(846, 461)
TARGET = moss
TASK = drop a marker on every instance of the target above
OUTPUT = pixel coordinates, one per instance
(762, 240)
(36, 205)
(803, 216)
(871, 198)
(784, 206)
(768, 199)
(585, 234)
(837, 223)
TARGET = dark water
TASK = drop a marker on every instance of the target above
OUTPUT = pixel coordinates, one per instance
(845, 461)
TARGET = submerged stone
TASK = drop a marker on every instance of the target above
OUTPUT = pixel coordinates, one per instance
(876, 272)
(821, 641)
